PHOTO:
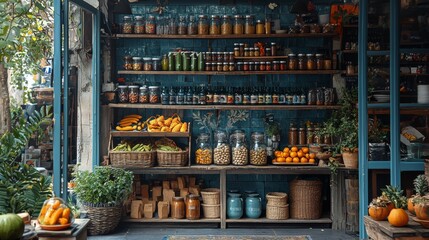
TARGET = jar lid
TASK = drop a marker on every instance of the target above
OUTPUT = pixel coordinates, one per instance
(214, 16)
(283, 61)
(127, 17)
(319, 55)
(219, 63)
(138, 17)
(225, 63)
(258, 21)
(301, 55)
(193, 196)
(256, 62)
(241, 44)
(251, 63)
(143, 87)
(292, 55)
(128, 57)
(178, 198)
(310, 55)
(246, 49)
(147, 58)
(156, 59)
(238, 16)
(226, 16)
(276, 62)
(231, 63)
(231, 53)
(239, 63)
(249, 16)
(267, 62)
(301, 129)
(137, 58)
(122, 86)
(273, 43)
(153, 87)
(202, 16)
(151, 17)
(133, 86)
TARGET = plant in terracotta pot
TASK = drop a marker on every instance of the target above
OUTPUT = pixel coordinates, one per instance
(421, 207)
(397, 216)
(379, 208)
(378, 148)
(421, 188)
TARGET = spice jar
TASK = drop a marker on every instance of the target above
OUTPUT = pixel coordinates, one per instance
(127, 25)
(256, 52)
(156, 64)
(238, 25)
(311, 62)
(193, 206)
(258, 149)
(215, 25)
(239, 148)
(293, 62)
(302, 63)
(144, 94)
(208, 66)
(133, 94)
(226, 27)
(153, 94)
(139, 25)
(203, 26)
(148, 65)
(137, 64)
(301, 136)
(251, 52)
(128, 63)
(293, 135)
(123, 94)
(251, 66)
(182, 28)
(241, 47)
(225, 66)
(260, 27)
(262, 66)
(203, 154)
(150, 25)
(192, 26)
(319, 61)
(249, 26)
(221, 151)
(219, 67)
(178, 208)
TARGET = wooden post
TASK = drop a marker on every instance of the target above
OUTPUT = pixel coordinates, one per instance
(338, 205)
(5, 121)
(352, 197)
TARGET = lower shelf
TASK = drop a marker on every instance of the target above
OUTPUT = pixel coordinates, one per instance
(171, 220)
(290, 220)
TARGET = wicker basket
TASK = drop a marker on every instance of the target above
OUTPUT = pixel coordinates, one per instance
(211, 211)
(103, 219)
(276, 199)
(306, 199)
(132, 159)
(278, 212)
(172, 159)
(211, 196)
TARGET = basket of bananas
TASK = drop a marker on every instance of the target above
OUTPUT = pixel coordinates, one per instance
(169, 154)
(127, 154)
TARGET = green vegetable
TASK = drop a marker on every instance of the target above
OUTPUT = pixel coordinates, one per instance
(11, 227)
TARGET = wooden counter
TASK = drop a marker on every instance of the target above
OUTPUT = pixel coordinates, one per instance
(382, 230)
(78, 231)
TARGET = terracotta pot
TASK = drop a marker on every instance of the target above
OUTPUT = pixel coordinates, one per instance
(422, 211)
(350, 159)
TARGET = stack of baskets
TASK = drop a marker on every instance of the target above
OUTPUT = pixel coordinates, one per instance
(277, 207)
(306, 199)
(211, 202)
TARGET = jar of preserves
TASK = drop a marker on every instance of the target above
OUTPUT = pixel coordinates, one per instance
(133, 94)
(240, 66)
(178, 208)
(144, 95)
(251, 66)
(153, 94)
(302, 136)
(182, 27)
(251, 52)
(128, 63)
(256, 52)
(219, 67)
(164, 62)
(231, 67)
(214, 25)
(302, 63)
(208, 66)
(267, 26)
(276, 66)
(283, 66)
(127, 25)
(245, 66)
(221, 150)
(241, 47)
(327, 64)
(220, 57)
(193, 206)
(237, 52)
(273, 49)
(311, 62)
(148, 64)
(246, 52)
(327, 139)
(239, 148)
(123, 94)
(310, 135)
(203, 154)
(249, 26)
(137, 64)
(293, 61)
(268, 66)
(226, 27)
(139, 25)
(317, 139)
(156, 64)
(319, 61)
(293, 135)
(262, 66)
(203, 25)
(320, 97)
(258, 149)
(268, 51)
(225, 67)
(260, 28)
(231, 56)
(192, 26)
(238, 25)
(150, 25)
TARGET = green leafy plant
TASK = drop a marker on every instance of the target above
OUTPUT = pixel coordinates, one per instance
(395, 195)
(376, 133)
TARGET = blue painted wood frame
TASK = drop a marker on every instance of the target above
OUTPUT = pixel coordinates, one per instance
(66, 99)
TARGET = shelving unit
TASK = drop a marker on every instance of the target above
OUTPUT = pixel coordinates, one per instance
(296, 72)
(232, 36)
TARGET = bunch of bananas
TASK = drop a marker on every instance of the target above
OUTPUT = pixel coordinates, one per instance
(168, 148)
(130, 123)
(171, 124)
(140, 147)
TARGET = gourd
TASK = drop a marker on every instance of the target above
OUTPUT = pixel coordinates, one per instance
(379, 208)
(398, 217)
(11, 227)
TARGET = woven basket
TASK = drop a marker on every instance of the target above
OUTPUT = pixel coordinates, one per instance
(211, 196)
(211, 211)
(103, 219)
(172, 159)
(276, 199)
(278, 212)
(132, 159)
(306, 199)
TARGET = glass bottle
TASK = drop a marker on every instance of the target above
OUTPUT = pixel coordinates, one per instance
(216, 96)
(133, 94)
(139, 25)
(172, 97)
(202, 96)
(203, 154)
(144, 95)
(215, 25)
(165, 97)
(188, 96)
(209, 96)
(282, 96)
(275, 96)
(192, 26)
(302, 136)
(226, 27)
(203, 26)
(239, 149)
(258, 149)
(150, 25)
(182, 27)
(238, 25)
(273, 49)
(164, 62)
(127, 25)
(310, 135)
(254, 97)
(249, 26)
(221, 150)
(293, 135)
(180, 96)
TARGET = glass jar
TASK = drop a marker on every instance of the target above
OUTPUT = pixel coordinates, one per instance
(178, 208)
(193, 206)
(267, 26)
(251, 52)
(192, 26)
(139, 25)
(273, 49)
(123, 94)
(150, 25)
(153, 94)
(258, 149)
(256, 52)
(249, 26)
(237, 52)
(203, 154)
(208, 66)
(319, 61)
(234, 206)
(251, 66)
(320, 97)
(240, 66)
(144, 95)
(293, 135)
(241, 47)
(156, 64)
(148, 64)
(350, 69)
(128, 63)
(293, 61)
(238, 25)
(253, 205)
(225, 67)
(311, 62)
(302, 63)
(165, 97)
(221, 151)
(226, 27)
(219, 67)
(283, 66)
(137, 64)
(231, 67)
(182, 27)
(268, 51)
(133, 94)
(311, 97)
(164, 62)
(245, 66)
(317, 139)
(260, 29)
(276, 66)
(310, 135)
(239, 148)
(127, 25)
(302, 136)
(203, 26)
(215, 25)
(262, 66)
(268, 66)
(246, 52)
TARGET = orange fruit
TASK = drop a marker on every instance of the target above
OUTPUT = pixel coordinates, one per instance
(289, 159)
(312, 155)
(305, 149)
(286, 149)
(281, 159)
(300, 153)
(307, 155)
(295, 160)
(273, 161)
(278, 153)
(294, 149)
(304, 160)
(293, 154)
(285, 154)
(311, 160)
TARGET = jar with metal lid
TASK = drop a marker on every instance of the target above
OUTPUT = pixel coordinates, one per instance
(283, 66)
(225, 67)
(257, 64)
(133, 94)
(293, 135)
(319, 61)
(238, 25)
(137, 64)
(148, 64)
(231, 56)
(251, 52)
(293, 62)
(156, 64)
(251, 66)
(192, 26)
(139, 25)
(311, 97)
(327, 139)
(219, 67)
(208, 66)
(239, 148)
(320, 97)
(193, 206)
(256, 52)
(249, 26)
(268, 66)
(260, 28)
(276, 66)
(310, 135)
(214, 25)
(203, 25)
(245, 66)
(262, 66)
(144, 95)
(311, 62)
(246, 52)
(273, 49)
(226, 26)
(317, 139)
(220, 57)
(182, 27)
(165, 97)
(301, 136)
(203, 154)
(150, 25)
(164, 62)
(127, 25)
(237, 52)
(231, 66)
(221, 150)
(268, 51)
(258, 149)
(128, 63)
(153, 94)
(302, 63)
(241, 48)
(123, 94)
(178, 208)
(240, 66)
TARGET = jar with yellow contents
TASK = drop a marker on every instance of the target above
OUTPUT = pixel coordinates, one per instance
(203, 154)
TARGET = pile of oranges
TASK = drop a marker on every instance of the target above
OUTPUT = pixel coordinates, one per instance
(294, 155)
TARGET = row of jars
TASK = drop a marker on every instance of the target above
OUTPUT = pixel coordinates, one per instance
(189, 208)
(306, 135)
(236, 207)
(259, 49)
(232, 150)
(137, 94)
(174, 61)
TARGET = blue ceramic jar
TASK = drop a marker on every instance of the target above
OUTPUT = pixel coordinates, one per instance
(234, 206)
(253, 205)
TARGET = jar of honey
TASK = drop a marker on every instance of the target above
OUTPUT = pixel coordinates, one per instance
(193, 207)
(178, 208)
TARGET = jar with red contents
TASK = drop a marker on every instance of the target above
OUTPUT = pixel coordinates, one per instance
(262, 66)
(268, 66)
(245, 66)
(283, 66)
(276, 66)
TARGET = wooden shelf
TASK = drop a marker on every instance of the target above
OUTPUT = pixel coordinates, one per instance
(261, 57)
(231, 36)
(295, 72)
(148, 134)
(401, 74)
(224, 107)
(290, 220)
(171, 220)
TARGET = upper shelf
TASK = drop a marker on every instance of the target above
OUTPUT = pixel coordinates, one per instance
(231, 36)
(295, 72)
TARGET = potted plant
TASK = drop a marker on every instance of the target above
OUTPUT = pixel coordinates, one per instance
(378, 149)
(380, 208)
(421, 188)
(102, 194)
(397, 216)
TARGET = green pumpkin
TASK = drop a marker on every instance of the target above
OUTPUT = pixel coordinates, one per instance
(11, 227)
